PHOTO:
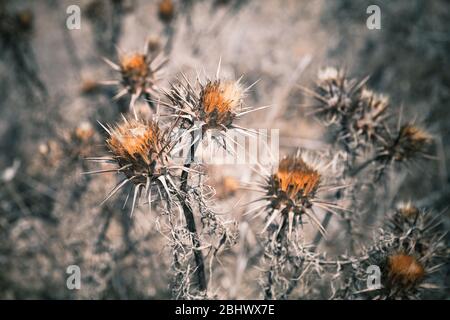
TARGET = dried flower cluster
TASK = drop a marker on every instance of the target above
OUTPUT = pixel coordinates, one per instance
(361, 119)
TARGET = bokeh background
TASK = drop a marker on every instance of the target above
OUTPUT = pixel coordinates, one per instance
(50, 101)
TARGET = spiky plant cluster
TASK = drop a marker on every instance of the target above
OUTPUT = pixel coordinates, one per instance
(407, 268)
(139, 73)
(361, 117)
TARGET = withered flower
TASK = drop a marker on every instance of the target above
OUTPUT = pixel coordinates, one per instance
(210, 105)
(404, 270)
(291, 192)
(335, 95)
(139, 74)
(140, 151)
(410, 143)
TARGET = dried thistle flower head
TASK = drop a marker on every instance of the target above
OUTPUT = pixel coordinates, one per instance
(370, 115)
(335, 94)
(404, 270)
(139, 74)
(135, 70)
(421, 224)
(210, 105)
(292, 193)
(138, 147)
(220, 102)
(140, 150)
(410, 142)
(356, 113)
(296, 179)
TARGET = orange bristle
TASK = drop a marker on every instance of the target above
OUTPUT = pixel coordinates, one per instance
(405, 269)
(295, 177)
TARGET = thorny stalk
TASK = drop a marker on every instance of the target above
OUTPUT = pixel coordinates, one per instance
(190, 220)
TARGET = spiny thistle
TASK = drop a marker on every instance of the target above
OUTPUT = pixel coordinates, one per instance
(140, 150)
(407, 267)
(357, 113)
(139, 74)
(210, 105)
(335, 95)
(292, 193)
(425, 226)
(219, 103)
(411, 142)
(404, 270)
(370, 115)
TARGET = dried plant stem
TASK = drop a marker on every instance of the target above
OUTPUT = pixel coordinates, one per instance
(190, 221)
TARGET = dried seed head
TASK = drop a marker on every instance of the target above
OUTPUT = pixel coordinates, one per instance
(296, 179)
(291, 192)
(215, 104)
(410, 142)
(139, 147)
(404, 270)
(293, 186)
(139, 74)
(135, 70)
(334, 93)
(219, 103)
(370, 114)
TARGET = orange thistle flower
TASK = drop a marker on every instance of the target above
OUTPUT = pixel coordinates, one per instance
(296, 178)
(404, 270)
(291, 192)
(408, 210)
(140, 149)
(220, 103)
(213, 104)
(139, 74)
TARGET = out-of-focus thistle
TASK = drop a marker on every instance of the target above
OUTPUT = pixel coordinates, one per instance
(407, 261)
(292, 192)
(370, 115)
(140, 151)
(166, 10)
(409, 143)
(139, 74)
(424, 225)
(334, 95)
(360, 118)
(356, 113)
